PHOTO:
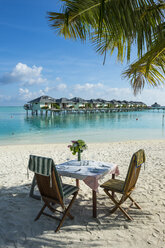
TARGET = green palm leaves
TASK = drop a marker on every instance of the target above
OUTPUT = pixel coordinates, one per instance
(150, 68)
(119, 24)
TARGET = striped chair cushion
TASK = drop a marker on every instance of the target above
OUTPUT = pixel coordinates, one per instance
(44, 166)
(68, 190)
(40, 165)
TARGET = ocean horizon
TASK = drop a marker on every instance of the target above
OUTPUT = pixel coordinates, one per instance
(18, 128)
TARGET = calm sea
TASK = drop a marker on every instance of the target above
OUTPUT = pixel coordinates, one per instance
(17, 128)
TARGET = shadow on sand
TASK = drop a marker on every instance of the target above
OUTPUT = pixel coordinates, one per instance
(18, 229)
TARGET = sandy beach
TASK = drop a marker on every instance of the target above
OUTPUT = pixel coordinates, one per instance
(17, 210)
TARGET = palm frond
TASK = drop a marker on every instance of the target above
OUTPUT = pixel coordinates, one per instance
(134, 18)
(118, 24)
(149, 69)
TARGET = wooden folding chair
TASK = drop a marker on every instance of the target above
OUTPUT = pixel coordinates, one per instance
(125, 187)
(51, 188)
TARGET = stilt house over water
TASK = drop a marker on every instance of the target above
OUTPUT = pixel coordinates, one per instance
(78, 104)
(42, 102)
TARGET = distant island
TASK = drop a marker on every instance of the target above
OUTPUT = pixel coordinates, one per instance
(48, 103)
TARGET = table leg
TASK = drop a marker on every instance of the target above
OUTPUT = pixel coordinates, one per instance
(94, 197)
(113, 177)
(77, 183)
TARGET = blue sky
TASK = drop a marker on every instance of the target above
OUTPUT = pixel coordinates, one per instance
(34, 61)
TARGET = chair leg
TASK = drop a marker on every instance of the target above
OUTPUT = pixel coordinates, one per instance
(70, 216)
(113, 199)
(118, 204)
(125, 213)
(31, 194)
(54, 210)
(66, 212)
(41, 211)
(137, 205)
(114, 209)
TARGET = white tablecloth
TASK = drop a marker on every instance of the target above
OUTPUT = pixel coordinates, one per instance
(89, 171)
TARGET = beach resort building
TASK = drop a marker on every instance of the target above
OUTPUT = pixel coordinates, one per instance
(42, 102)
(64, 104)
(155, 105)
(79, 103)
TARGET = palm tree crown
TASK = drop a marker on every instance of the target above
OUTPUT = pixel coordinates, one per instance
(119, 24)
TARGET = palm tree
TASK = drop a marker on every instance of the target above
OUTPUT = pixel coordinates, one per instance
(119, 24)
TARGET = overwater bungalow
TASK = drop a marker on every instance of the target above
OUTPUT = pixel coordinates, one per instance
(125, 104)
(63, 103)
(155, 105)
(77, 104)
(101, 103)
(93, 103)
(115, 103)
(141, 104)
(40, 103)
(120, 104)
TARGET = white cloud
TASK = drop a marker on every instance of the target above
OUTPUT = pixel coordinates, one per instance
(41, 92)
(148, 96)
(153, 95)
(100, 90)
(23, 91)
(57, 88)
(25, 94)
(25, 75)
(87, 86)
(28, 75)
(58, 79)
(23, 70)
(61, 87)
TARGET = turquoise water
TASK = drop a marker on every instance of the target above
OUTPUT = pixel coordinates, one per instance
(17, 128)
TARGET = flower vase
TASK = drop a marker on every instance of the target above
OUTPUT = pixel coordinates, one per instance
(79, 156)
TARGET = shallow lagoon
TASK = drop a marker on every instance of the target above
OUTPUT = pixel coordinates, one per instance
(17, 128)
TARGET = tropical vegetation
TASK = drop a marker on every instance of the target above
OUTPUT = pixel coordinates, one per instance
(119, 25)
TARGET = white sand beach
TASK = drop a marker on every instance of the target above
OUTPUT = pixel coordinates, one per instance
(17, 210)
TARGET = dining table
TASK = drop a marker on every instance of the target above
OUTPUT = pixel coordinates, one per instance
(90, 171)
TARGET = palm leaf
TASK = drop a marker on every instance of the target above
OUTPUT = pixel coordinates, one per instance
(149, 69)
(118, 24)
(135, 19)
